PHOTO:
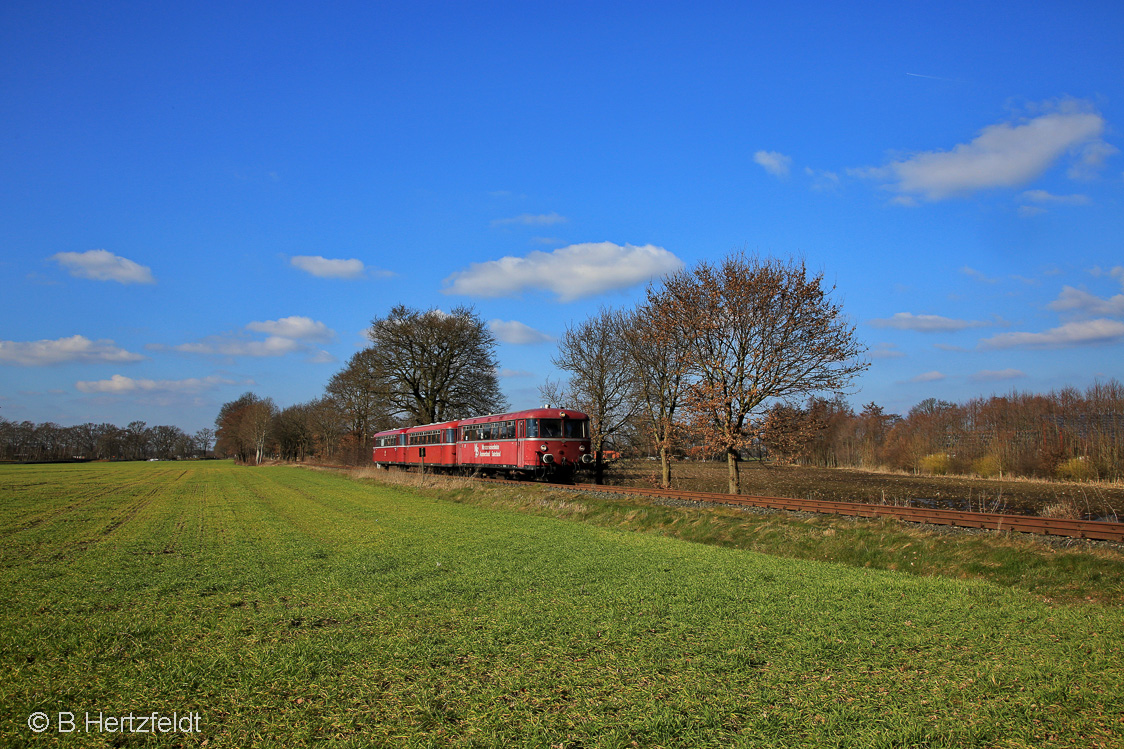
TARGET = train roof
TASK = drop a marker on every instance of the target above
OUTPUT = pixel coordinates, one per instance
(531, 413)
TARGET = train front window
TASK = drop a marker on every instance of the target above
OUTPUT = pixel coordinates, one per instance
(576, 429)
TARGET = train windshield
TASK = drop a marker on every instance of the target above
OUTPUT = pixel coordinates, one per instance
(558, 428)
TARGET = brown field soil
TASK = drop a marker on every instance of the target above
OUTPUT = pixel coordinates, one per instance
(1018, 496)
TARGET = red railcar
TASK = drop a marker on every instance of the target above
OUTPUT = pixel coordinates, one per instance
(547, 443)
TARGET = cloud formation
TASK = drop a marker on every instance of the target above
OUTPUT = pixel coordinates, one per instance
(103, 265)
(926, 323)
(573, 272)
(121, 385)
(294, 327)
(1002, 155)
(1042, 196)
(996, 375)
(929, 377)
(529, 219)
(323, 267)
(1084, 333)
(288, 335)
(75, 348)
(1080, 302)
(776, 164)
(513, 331)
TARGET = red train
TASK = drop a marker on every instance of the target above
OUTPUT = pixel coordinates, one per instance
(542, 443)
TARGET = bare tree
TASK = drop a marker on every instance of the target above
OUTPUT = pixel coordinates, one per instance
(600, 381)
(204, 437)
(657, 351)
(257, 423)
(359, 393)
(760, 331)
(435, 366)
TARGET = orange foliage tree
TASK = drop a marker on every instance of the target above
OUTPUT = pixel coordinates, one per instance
(759, 331)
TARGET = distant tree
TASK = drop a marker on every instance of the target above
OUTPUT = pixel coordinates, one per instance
(601, 380)
(760, 331)
(256, 426)
(435, 366)
(137, 440)
(165, 441)
(230, 435)
(203, 438)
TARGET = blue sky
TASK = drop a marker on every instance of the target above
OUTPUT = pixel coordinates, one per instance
(204, 199)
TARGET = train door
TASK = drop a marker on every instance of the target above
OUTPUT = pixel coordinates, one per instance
(520, 432)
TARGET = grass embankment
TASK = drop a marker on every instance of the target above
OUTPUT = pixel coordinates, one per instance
(298, 607)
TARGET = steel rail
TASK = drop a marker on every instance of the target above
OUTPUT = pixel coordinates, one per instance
(1101, 530)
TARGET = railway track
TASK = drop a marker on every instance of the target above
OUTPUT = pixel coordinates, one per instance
(1091, 529)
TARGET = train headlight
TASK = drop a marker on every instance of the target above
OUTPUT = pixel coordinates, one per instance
(581, 448)
(543, 447)
(548, 458)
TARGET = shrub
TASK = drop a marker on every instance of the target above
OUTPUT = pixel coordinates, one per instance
(936, 464)
(987, 467)
(1075, 469)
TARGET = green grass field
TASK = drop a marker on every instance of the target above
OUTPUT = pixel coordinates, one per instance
(289, 606)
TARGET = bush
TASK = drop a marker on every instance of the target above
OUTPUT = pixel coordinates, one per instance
(1075, 469)
(987, 467)
(937, 464)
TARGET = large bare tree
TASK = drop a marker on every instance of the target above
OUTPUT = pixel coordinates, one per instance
(600, 380)
(759, 331)
(434, 365)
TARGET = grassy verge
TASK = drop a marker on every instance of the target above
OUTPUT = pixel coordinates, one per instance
(286, 605)
(1063, 570)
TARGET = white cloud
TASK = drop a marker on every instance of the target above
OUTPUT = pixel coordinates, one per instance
(1042, 196)
(75, 348)
(1083, 303)
(573, 272)
(218, 346)
(1116, 272)
(929, 377)
(979, 276)
(528, 219)
(323, 267)
(776, 164)
(995, 375)
(885, 351)
(121, 385)
(102, 265)
(515, 373)
(1092, 160)
(284, 336)
(1002, 155)
(294, 327)
(513, 331)
(926, 323)
(1089, 332)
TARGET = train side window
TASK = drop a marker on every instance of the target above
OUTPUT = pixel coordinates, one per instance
(521, 429)
(532, 428)
(450, 435)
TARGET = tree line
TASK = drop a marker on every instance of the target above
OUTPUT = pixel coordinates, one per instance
(27, 441)
(1064, 434)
